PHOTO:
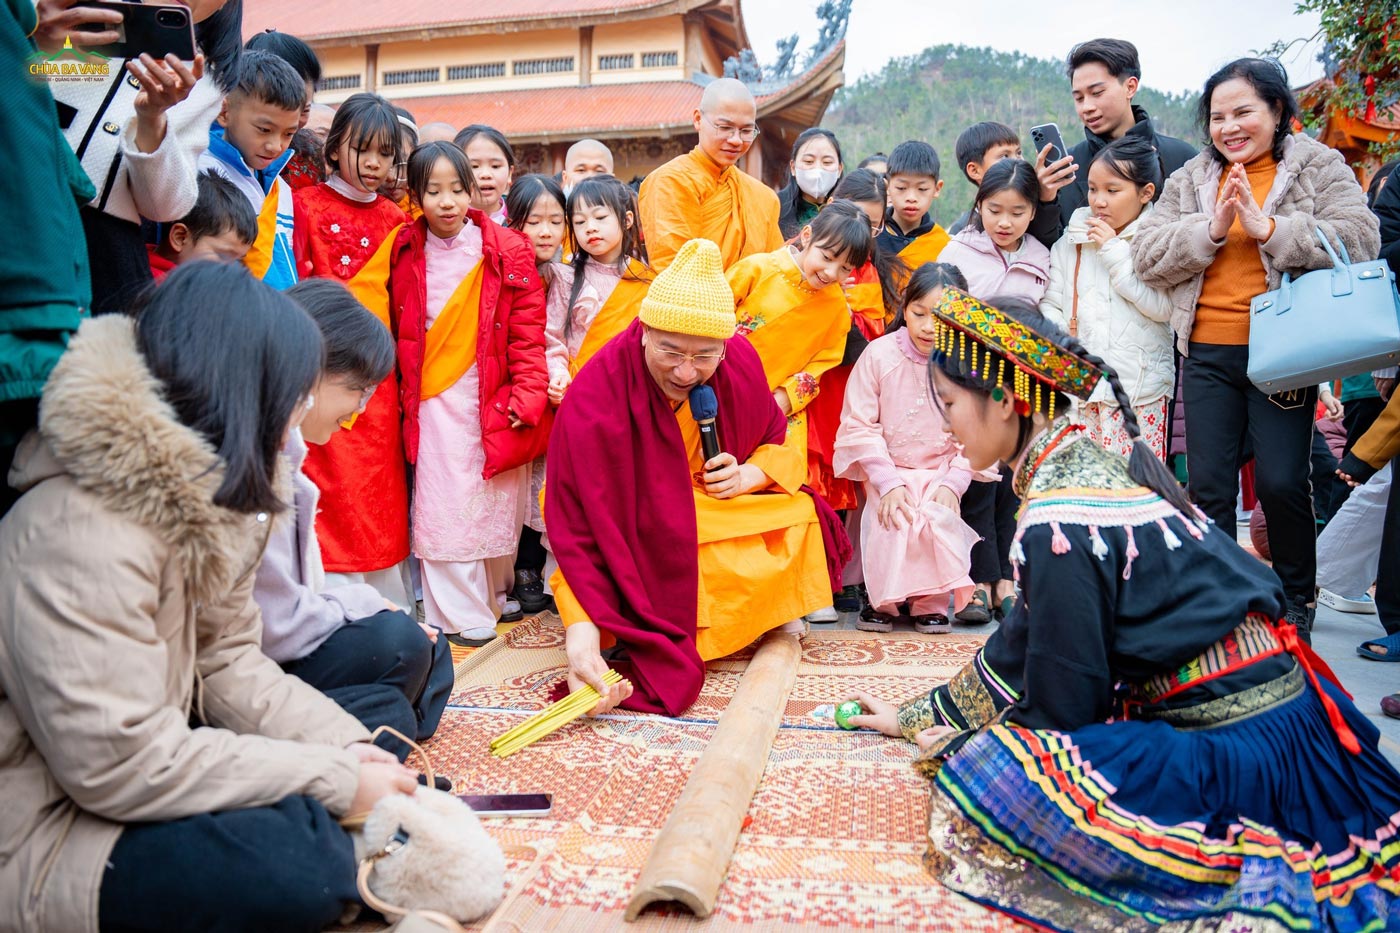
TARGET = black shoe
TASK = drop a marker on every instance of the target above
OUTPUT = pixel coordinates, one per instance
(848, 600)
(529, 592)
(1301, 615)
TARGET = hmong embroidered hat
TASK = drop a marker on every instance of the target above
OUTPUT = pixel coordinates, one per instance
(691, 295)
(966, 329)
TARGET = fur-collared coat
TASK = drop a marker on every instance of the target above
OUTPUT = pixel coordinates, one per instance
(126, 608)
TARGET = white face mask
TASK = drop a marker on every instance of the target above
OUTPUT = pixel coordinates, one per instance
(568, 190)
(816, 182)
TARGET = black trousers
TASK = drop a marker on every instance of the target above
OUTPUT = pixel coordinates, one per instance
(288, 867)
(1388, 574)
(387, 649)
(1223, 411)
(990, 510)
(118, 262)
(530, 553)
(1359, 415)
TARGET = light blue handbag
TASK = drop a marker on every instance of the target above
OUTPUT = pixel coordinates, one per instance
(1324, 325)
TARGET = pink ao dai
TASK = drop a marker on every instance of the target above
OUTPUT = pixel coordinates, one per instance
(892, 435)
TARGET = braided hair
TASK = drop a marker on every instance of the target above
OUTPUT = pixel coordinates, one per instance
(1144, 467)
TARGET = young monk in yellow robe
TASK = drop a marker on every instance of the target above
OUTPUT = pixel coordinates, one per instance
(914, 185)
(703, 194)
(675, 558)
(792, 308)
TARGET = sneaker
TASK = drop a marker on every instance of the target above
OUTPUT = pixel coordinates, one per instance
(934, 623)
(823, 616)
(872, 621)
(848, 600)
(510, 612)
(1362, 605)
(1301, 615)
(529, 592)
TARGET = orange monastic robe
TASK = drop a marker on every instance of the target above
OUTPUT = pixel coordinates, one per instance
(692, 197)
(798, 331)
(762, 561)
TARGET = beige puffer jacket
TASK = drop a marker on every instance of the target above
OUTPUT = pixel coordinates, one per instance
(1313, 188)
(126, 607)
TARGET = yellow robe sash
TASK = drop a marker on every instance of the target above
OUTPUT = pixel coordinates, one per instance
(450, 348)
(926, 248)
(616, 314)
(370, 285)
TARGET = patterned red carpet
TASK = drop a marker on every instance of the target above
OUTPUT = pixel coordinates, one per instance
(837, 827)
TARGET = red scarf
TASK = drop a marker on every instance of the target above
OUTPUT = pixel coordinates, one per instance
(621, 514)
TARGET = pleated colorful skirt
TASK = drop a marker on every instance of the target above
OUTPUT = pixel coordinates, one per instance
(1263, 823)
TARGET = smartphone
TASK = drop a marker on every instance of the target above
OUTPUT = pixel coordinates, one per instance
(157, 30)
(1049, 134)
(487, 805)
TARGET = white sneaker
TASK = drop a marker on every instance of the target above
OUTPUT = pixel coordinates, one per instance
(1362, 605)
(827, 615)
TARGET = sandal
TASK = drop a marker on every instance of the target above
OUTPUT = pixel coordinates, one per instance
(935, 623)
(1390, 705)
(978, 610)
(1391, 644)
(1004, 609)
(872, 621)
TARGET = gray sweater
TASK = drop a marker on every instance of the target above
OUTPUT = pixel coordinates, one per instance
(298, 612)
(1313, 188)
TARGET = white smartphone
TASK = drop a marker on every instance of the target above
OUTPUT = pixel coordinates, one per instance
(503, 805)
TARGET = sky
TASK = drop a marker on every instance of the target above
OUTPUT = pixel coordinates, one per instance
(1179, 50)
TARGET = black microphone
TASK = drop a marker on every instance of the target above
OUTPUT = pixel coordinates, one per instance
(705, 408)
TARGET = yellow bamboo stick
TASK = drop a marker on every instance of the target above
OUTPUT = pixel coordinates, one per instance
(550, 719)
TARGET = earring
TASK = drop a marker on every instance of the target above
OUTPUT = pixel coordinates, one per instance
(998, 394)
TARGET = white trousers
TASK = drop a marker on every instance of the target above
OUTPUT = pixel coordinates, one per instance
(392, 583)
(1349, 548)
(465, 597)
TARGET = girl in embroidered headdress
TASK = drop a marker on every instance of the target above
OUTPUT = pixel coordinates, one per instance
(1143, 744)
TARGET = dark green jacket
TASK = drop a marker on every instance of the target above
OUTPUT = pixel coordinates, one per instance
(44, 285)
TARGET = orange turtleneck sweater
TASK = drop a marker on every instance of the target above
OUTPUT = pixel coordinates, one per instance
(1237, 275)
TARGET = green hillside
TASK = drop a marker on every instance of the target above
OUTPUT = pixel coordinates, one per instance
(936, 94)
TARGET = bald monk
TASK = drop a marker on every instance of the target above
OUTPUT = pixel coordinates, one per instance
(585, 158)
(436, 132)
(703, 194)
(674, 559)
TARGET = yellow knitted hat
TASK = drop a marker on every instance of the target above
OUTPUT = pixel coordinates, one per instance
(691, 295)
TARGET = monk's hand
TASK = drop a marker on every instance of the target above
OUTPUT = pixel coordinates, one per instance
(879, 716)
(557, 385)
(781, 397)
(726, 477)
(896, 510)
(926, 738)
(587, 667)
(948, 499)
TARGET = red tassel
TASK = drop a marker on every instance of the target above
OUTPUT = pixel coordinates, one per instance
(1370, 111)
(1312, 665)
(1370, 85)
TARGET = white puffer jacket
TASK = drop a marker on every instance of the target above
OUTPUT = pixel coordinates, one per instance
(1120, 319)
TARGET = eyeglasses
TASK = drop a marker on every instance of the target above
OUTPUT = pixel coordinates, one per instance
(728, 130)
(698, 360)
(359, 409)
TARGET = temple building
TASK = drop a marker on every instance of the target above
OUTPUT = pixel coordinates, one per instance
(549, 72)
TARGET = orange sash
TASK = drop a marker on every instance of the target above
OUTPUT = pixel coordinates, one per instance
(926, 248)
(370, 285)
(619, 311)
(450, 349)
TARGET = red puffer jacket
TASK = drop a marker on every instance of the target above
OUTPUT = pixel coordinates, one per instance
(510, 341)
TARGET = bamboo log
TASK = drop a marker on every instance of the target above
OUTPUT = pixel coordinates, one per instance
(692, 852)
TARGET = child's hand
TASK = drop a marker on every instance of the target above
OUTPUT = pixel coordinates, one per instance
(1347, 478)
(895, 510)
(785, 403)
(1054, 176)
(430, 631)
(557, 385)
(1100, 231)
(932, 734)
(879, 717)
(515, 421)
(949, 500)
(1333, 406)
